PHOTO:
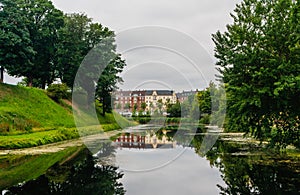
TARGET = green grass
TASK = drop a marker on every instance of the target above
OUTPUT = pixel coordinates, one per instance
(28, 117)
(37, 138)
(15, 169)
(33, 106)
(55, 135)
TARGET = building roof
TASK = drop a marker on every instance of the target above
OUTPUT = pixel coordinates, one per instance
(186, 93)
(145, 92)
(159, 92)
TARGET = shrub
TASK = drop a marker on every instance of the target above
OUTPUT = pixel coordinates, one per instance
(205, 119)
(57, 91)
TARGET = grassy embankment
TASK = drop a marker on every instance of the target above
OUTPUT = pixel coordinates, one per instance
(28, 117)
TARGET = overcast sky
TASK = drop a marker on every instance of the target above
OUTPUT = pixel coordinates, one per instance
(175, 52)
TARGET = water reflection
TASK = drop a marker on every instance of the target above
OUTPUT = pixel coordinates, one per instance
(144, 140)
(168, 165)
(81, 175)
(245, 168)
(248, 169)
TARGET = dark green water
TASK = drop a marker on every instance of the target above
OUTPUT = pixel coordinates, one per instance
(144, 163)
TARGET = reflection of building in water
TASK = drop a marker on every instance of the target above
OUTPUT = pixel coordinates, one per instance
(143, 141)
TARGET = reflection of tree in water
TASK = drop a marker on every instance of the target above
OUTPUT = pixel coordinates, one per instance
(252, 173)
(83, 176)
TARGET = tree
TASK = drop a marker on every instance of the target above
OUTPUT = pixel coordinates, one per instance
(43, 21)
(143, 106)
(258, 58)
(174, 110)
(1, 74)
(160, 105)
(204, 101)
(76, 39)
(58, 92)
(135, 106)
(16, 48)
(72, 46)
(127, 106)
(108, 82)
(118, 106)
(207, 98)
(30, 36)
(93, 59)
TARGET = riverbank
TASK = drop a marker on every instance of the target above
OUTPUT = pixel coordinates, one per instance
(29, 118)
(59, 146)
(49, 136)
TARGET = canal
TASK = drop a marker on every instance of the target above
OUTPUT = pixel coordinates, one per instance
(146, 160)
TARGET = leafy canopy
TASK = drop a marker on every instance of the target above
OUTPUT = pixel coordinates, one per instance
(258, 58)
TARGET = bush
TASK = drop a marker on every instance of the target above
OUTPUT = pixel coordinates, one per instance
(58, 91)
(144, 120)
(205, 119)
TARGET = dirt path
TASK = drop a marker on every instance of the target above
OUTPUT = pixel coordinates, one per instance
(56, 147)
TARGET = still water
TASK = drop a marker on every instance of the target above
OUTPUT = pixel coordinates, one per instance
(147, 161)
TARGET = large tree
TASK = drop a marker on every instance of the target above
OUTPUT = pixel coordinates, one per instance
(16, 48)
(72, 46)
(87, 53)
(80, 41)
(43, 22)
(258, 57)
(36, 23)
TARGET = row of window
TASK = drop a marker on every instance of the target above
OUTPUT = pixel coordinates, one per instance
(147, 97)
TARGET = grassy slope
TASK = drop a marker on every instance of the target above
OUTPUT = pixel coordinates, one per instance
(52, 122)
(32, 104)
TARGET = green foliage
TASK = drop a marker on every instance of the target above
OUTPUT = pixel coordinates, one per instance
(58, 92)
(252, 169)
(108, 82)
(94, 50)
(35, 37)
(174, 110)
(143, 106)
(205, 119)
(75, 41)
(204, 101)
(16, 46)
(135, 106)
(127, 106)
(258, 57)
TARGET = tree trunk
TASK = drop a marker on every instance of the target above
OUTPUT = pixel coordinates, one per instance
(103, 107)
(1, 74)
(30, 82)
(43, 85)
